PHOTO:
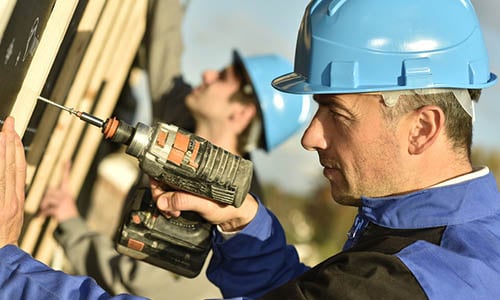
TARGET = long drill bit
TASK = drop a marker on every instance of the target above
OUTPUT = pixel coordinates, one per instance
(93, 120)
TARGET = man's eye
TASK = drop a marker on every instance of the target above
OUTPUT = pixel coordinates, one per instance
(222, 74)
(336, 114)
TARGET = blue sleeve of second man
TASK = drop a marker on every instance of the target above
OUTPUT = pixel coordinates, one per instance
(22, 277)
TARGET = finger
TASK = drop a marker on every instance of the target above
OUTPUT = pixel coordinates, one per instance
(65, 175)
(181, 201)
(163, 202)
(3, 200)
(3, 162)
(20, 170)
(46, 211)
(17, 166)
(10, 162)
(48, 208)
(156, 189)
(173, 214)
(48, 199)
(5, 179)
(153, 183)
(8, 124)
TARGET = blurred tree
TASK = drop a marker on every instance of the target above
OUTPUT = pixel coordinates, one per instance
(315, 223)
(490, 158)
(330, 220)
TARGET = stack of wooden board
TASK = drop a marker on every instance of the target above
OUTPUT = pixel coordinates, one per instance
(77, 53)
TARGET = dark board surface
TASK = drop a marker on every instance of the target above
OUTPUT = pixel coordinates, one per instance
(42, 113)
(17, 47)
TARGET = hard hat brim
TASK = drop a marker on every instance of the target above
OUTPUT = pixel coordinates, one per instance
(295, 83)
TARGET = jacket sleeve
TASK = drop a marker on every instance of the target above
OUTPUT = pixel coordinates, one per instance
(23, 277)
(93, 254)
(255, 260)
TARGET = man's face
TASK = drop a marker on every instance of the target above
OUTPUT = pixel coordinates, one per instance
(211, 100)
(359, 151)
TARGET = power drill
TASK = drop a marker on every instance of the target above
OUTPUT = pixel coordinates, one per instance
(181, 161)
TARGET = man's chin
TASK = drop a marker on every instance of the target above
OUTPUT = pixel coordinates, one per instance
(345, 199)
(190, 101)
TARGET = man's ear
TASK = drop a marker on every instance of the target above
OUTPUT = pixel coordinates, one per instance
(426, 128)
(241, 116)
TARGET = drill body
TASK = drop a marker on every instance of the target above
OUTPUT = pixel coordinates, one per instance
(181, 161)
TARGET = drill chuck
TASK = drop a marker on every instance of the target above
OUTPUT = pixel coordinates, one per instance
(118, 132)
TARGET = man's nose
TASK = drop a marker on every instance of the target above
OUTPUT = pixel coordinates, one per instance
(314, 136)
(209, 76)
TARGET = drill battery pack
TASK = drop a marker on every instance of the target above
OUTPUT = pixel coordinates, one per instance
(182, 161)
(180, 245)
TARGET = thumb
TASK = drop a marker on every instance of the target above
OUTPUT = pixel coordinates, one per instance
(180, 201)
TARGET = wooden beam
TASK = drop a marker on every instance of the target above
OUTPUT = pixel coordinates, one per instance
(61, 78)
(61, 130)
(6, 8)
(122, 53)
(42, 61)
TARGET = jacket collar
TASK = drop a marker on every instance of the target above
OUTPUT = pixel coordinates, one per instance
(460, 200)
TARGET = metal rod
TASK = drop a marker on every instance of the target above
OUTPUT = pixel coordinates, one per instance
(90, 119)
(70, 110)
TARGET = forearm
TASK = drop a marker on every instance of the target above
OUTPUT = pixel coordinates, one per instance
(255, 260)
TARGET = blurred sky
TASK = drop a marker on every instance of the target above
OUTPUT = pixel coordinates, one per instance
(212, 28)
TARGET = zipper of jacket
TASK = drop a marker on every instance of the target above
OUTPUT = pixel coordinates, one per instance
(355, 232)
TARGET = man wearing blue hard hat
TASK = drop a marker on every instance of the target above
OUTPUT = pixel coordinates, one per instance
(396, 83)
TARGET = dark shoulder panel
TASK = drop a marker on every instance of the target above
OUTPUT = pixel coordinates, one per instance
(370, 270)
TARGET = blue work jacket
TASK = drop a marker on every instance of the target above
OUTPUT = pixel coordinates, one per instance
(438, 243)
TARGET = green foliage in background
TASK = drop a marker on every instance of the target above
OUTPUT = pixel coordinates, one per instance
(316, 224)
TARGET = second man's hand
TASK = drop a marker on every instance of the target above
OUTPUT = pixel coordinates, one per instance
(58, 201)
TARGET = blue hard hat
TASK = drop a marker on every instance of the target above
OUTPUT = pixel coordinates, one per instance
(353, 46)
(282, 114)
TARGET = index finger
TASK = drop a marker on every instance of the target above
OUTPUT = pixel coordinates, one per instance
(65, 176)
(13, 165)
(3, 160)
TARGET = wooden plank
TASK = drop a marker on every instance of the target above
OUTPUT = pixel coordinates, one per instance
(98, 83)
(42, 61)
(47, 243)
(23, 33)
(59, 80)
(115, 78)
(6, 8)
(54, 147)
(121, 57)
(61, 131)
